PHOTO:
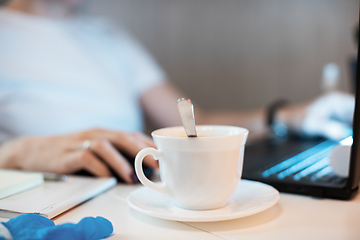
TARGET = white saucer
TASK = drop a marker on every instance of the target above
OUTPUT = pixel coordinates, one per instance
(249, 198)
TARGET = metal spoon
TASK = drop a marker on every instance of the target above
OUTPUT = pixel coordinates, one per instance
(186, 110)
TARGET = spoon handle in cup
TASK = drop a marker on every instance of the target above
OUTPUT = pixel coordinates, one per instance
(186, 110)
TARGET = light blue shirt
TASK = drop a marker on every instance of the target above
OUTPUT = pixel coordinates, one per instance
(58, 77)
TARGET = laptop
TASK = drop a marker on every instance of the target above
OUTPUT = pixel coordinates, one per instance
(302, 166)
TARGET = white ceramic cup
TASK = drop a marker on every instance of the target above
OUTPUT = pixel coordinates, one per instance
(197, 173)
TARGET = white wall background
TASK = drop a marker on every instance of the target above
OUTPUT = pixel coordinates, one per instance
(242, 54)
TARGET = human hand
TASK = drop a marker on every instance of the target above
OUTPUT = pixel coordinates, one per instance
(329, 116)
(65, 154)
(33, 226)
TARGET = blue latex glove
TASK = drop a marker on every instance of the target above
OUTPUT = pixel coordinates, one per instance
(33, 226)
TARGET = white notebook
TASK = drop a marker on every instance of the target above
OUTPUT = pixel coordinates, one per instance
(13, 182)
(53, 198)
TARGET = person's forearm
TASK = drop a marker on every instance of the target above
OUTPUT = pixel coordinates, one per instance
(254, 121)
(8, 153)
(159, 104)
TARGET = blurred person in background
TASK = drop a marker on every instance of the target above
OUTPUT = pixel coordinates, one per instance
(74, 92)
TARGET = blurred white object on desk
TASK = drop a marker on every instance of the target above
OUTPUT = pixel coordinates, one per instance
(340, 157)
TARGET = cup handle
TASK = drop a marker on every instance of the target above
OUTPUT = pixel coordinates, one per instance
(140, 174)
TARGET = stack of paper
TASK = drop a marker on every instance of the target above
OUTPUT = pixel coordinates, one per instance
(13, 182)
(54, 197)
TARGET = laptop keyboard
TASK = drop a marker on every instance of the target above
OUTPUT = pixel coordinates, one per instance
(311, 165)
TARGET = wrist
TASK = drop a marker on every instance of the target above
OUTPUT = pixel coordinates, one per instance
(277, 119)
(292, 116)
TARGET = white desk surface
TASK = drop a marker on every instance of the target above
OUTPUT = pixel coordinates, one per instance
(293, 217)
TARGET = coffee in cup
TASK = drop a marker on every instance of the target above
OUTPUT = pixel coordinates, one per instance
(198, 173)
